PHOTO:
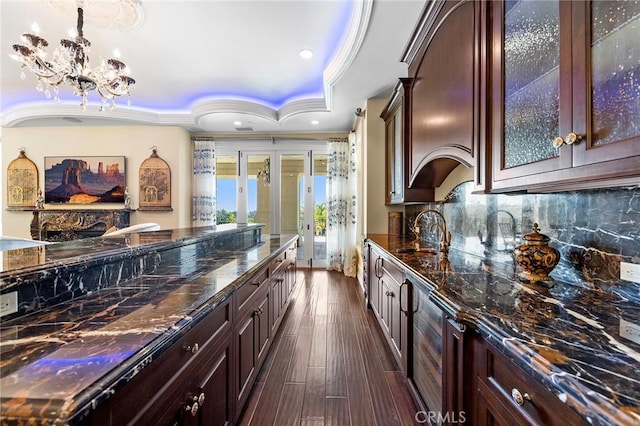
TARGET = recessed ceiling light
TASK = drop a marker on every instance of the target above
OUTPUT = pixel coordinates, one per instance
(306, 54)
(315, 122)
(237, 123)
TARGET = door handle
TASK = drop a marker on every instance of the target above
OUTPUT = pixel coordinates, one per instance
(405, 282)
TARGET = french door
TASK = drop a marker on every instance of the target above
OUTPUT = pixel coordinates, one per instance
(285, 189)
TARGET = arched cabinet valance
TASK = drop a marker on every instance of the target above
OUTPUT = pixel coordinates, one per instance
(155, 183)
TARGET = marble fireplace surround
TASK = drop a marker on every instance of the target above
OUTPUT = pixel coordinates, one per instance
(66, 224)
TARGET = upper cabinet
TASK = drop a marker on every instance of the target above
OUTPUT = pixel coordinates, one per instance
(397, 177)
(564, 82)
(443, 124)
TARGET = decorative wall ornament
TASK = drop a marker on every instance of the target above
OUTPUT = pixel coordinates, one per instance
(155, 183)
(22, 182)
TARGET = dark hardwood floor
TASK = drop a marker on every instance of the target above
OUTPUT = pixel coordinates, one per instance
(328, 363)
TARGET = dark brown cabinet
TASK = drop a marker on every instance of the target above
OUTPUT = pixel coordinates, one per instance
(205, 377)
(190, 384)
(506, 394)
(563, 104)
(252, 333)
(442, 114)
(389, 296)
(397, 178)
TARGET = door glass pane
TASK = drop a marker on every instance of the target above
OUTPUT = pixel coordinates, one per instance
(531, 81)
(226, 187)
(258, 190)
(615, 70)
(320, 209)
(292, 194)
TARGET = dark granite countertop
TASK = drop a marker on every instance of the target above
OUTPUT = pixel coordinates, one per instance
(64, 359)
(566, 336)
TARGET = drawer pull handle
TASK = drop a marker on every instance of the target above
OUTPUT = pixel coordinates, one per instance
(256, 283)
(518, 397)
(193, 408)
(193, 349)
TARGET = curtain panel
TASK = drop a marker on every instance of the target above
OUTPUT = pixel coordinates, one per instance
(204, 183)
(342, 205)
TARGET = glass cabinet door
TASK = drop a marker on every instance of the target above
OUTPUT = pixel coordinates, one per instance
(531, 81)
(531, 89)
(565, 88)
(607, 98)
(394, 141)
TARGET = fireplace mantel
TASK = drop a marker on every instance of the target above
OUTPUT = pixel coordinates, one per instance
(67, 224)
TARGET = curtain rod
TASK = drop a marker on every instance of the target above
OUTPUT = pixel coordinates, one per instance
(359, 114)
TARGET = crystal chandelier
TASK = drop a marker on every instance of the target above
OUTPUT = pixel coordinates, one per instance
(70, 64)
(265, 172)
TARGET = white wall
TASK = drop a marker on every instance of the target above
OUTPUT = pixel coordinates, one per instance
(374, 183)
(134, 142)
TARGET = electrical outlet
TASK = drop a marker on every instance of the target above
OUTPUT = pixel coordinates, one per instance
(630, 331)
(8, 303)
(630, 272)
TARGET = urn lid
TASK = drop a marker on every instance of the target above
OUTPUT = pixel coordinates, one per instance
(536, 238)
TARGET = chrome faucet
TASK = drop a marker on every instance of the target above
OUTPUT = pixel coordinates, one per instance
(445, 236)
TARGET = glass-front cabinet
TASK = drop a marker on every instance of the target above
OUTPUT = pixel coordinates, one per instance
(565, 88)
(394, 150)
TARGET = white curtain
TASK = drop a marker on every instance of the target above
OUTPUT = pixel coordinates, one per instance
(204, 182)
(342, 205)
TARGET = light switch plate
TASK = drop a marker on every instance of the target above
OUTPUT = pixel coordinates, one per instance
(630, 331)
(8, 303)
(630, 272)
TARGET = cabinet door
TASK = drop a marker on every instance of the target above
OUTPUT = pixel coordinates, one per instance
(529, 83)
(263, 328)
(276, 303)
(398, 320)
(214, 390)
(606, 57)
(374, 288)
(246, 349)
(565, 89)
(394, 153)
(385, 307)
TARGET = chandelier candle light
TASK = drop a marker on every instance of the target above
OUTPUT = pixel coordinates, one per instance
(70, 64)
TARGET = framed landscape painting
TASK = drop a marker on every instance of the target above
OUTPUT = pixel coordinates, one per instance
(84, 180)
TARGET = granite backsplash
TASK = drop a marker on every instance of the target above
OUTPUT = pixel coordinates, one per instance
(594, 230)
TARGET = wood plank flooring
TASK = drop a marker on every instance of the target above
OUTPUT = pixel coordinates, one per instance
(328, 364)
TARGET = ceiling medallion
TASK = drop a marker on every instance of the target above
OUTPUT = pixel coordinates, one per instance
(70, 64)
(110, 15)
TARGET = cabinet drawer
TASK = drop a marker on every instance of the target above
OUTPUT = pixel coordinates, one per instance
(539, 406)
(390, 268)
(277, 264)
(248, 289)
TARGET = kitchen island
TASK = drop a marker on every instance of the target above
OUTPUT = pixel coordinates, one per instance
(565, 338)
(95, 316)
